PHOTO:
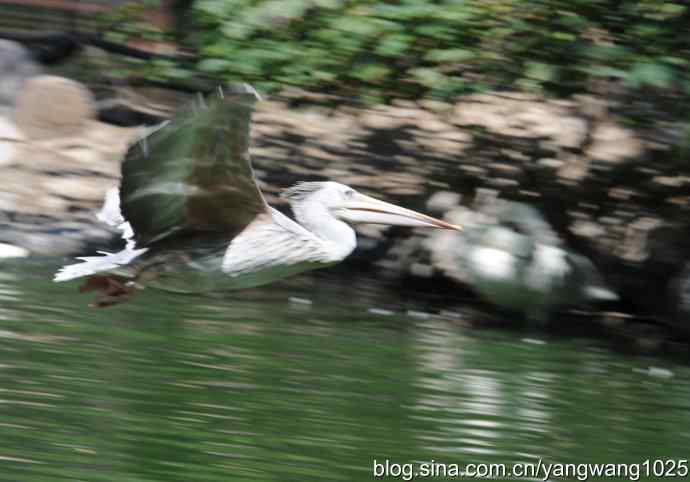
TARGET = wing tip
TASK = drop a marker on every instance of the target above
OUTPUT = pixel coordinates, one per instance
(251, 90)
(239, 89)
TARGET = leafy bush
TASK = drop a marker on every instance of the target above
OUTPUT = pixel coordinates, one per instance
(375, 50)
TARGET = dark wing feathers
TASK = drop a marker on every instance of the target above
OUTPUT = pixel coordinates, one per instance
(194, 175)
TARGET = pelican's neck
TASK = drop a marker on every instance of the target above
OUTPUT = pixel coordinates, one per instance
(316, 218)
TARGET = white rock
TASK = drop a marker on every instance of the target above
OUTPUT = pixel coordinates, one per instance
(443, 201)
(9, 131)
(12, 251)
(7, 151)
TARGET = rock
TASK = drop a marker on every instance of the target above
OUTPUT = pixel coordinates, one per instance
(514, 259)
(421, 270)
(551, 163)
(16, 66)
(443, 201)
(11, 251)
(613, 143)
(9, 131)
(56, 166)
(377, 119)
(7, 152)
(39, 116)
(572, 132)
(679, 296)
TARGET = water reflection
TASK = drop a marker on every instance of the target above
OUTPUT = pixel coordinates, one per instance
(492, 398)
(253, 386)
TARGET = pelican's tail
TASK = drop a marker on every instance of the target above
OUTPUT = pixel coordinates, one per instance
(110, 214)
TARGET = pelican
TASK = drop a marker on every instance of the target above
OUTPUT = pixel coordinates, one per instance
(193, 218)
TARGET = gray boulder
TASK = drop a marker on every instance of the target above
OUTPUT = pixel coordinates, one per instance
(16, 67)
(511, 256)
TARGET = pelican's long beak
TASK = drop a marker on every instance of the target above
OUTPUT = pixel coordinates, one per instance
(365, 209)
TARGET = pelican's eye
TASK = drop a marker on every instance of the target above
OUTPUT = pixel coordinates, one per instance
(350, 193)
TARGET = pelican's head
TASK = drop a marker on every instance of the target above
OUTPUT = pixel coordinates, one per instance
(348, 205)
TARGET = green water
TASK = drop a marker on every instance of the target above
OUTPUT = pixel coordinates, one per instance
(254, 387)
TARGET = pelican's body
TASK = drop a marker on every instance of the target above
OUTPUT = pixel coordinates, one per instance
(271, 248)
(194, 219)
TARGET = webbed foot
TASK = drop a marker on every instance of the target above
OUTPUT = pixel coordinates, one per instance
(110, 290)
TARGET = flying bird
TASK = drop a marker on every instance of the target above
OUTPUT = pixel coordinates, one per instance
(193, 218)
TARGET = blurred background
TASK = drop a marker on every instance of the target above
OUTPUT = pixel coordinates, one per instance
(557, 133)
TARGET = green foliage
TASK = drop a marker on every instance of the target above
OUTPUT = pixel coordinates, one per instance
(130, 21)
(442, 48)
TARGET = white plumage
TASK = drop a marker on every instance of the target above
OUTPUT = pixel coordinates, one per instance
(111, 215)
(275, 246)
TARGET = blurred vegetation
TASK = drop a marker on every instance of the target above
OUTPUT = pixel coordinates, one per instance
(377, 50)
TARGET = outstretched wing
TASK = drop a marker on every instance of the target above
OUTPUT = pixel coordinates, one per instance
(194, 174)
(105, 261)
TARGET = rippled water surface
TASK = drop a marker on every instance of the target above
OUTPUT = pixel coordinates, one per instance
(256, 386)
